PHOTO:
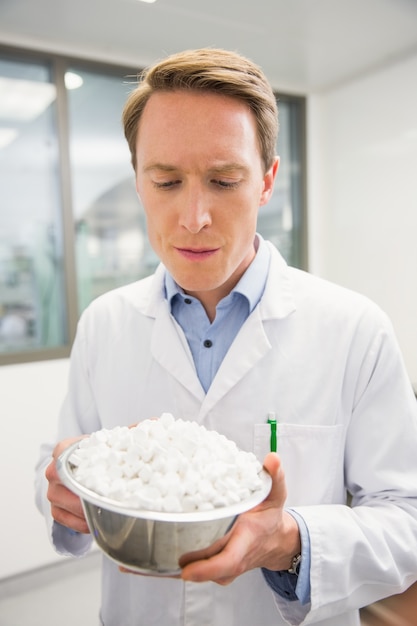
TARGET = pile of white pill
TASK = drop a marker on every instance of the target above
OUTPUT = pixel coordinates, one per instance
(166, 464)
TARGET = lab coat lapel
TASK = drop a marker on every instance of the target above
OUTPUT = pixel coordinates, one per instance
(251, 343)
(170, 349)
(249, 346)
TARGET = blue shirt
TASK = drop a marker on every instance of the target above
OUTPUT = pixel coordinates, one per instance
(209, 343)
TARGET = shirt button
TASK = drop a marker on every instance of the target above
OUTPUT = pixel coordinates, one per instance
(187, 301)
(207, 343)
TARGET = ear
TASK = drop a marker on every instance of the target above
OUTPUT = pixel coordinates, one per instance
(268, 182)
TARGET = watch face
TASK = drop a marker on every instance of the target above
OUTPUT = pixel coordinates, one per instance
(295, 564)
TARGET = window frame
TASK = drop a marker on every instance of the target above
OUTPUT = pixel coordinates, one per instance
(58, 65)
(301, 136)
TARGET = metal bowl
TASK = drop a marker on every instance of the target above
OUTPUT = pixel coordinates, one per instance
(152, 542)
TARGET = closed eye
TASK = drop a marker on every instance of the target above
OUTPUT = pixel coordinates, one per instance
(226, 184)
(167, 184)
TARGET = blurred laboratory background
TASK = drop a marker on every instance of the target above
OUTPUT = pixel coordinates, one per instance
(72, 227)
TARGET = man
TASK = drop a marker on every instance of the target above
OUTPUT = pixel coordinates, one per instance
(225, 334)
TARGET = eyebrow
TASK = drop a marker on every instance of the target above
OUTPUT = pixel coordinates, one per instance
(160, 166)
(222, 168)
(228, 167)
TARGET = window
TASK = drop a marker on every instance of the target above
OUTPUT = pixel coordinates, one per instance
(32, 300)
(71, 224)
(110, 235)
(283, 219)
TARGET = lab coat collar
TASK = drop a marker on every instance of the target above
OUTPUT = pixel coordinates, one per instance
(277, 302)
(170, 348)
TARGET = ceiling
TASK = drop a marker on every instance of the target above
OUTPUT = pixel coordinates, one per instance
(304, 46)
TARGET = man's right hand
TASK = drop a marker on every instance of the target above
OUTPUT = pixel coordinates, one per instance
(66, 507)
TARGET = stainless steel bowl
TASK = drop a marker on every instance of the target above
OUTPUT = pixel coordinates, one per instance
(152, 542)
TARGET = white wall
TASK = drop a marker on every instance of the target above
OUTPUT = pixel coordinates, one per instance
(30, 397)
(363, 227)
(363, 193)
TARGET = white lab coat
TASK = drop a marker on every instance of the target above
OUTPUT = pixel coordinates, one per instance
(325, 361)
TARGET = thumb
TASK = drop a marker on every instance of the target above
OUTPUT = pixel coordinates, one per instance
(278, 493)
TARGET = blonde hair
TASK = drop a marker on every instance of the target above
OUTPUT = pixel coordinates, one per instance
(213, 70)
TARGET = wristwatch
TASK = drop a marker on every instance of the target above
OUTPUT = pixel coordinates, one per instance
(295, 564)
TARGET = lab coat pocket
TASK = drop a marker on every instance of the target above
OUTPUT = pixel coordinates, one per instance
(312, 458)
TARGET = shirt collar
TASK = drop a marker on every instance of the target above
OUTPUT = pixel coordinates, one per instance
(251, 285)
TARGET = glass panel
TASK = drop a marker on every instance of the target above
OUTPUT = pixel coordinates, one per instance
(280, 220)
(31, 265)
(111, 243)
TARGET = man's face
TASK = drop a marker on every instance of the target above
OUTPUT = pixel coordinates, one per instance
(201, 180)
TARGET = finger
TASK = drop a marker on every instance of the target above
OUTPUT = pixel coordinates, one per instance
(73, 522)
(272, 463)
(225, 581)
(60, 496)
(278, 493)
(51, 473)
(205, 553)
(64, 444)
(66, 508)
(126, 570)
(224, 565)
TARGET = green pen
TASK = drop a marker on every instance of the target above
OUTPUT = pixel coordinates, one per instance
(273, 423)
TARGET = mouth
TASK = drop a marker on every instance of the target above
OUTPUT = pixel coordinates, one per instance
(197, 254)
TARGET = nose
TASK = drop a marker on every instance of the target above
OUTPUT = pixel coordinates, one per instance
(195, 212)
